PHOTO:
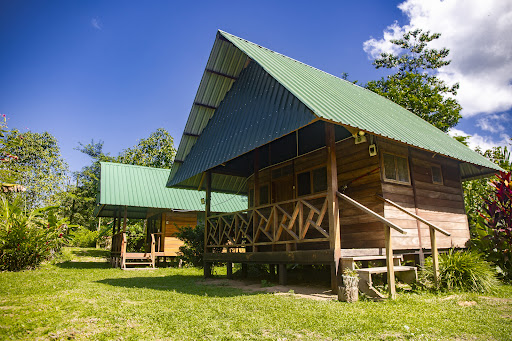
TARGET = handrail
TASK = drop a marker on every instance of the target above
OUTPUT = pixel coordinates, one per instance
(153, 250)
(370, 212)
(426, 222)
(308, 197)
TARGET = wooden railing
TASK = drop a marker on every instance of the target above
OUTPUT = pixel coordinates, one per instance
(433, 228)
(287, 222)
(388, 244)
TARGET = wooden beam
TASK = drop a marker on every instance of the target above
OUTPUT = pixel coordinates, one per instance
(201, 182)
(207, 265)
(256, 199)
(205, 105)
(125, 218)
(221, 74)
(190, 134)
(435, 256)
(276, 257)
(332, 204)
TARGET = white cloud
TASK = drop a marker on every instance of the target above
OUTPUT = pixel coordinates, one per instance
(95, 22)
(478, 35)
(494, 123)
(483, 142)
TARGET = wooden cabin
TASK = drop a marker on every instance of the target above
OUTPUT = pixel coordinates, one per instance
(136, 192)
(334, 173)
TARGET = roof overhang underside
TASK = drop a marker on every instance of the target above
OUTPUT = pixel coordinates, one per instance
(132, 212)
(324, 96)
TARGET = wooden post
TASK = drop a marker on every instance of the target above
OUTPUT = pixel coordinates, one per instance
(282, 274)
(389, 264)
(229, 270)
(244, 270)
(332, 202)
(125, 218)
(207, 266)
(255, 218)
(272, 270)
(435, 256)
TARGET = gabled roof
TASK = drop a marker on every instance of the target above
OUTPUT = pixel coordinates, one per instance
(141, 188)
(328, 98)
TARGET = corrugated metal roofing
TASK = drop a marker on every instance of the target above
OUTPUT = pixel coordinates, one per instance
(329, 98)
(255, 111)
(144, 187)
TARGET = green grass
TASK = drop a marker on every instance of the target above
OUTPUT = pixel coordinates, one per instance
(85, 299)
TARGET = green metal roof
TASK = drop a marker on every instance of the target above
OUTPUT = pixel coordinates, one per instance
(141, 188)
(328, 97)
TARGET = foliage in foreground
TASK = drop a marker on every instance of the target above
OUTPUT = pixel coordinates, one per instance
(494, 227)
(461, 270)
(192, 251)
(28, 238)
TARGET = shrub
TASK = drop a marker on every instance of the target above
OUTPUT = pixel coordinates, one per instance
(28, 238)
(494, 226)
(136, 237)
(192, 251)
(460, 270)
(83, 237)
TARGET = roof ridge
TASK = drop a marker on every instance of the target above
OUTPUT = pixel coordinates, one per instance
(295, 60)
(120, 164)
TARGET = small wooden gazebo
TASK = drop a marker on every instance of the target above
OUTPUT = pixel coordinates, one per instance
(136, 192)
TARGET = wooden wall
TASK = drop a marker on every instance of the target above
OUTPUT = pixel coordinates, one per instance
(441, 204)
(170, 223)
(359, 230)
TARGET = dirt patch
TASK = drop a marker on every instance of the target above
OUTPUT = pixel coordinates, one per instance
(466, 303)
(497, 299)
(310, 292)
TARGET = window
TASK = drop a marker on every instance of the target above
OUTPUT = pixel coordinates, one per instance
(304, 183)
(437, 175)
(312, 181)
(264, 194)
(396, 168)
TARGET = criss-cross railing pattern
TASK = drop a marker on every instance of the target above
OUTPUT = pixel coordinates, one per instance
(293, 221)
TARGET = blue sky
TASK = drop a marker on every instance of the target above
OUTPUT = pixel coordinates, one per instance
(118, 70)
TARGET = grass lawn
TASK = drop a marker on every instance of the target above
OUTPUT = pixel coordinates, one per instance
(86, 299)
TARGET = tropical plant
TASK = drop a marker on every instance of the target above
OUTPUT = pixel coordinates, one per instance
(494, 226)
(28, 238)
(192, 251)
(415, 86)
(460, 270)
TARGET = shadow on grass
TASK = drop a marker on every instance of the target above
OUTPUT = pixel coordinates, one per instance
(183, 284)
(84, 265)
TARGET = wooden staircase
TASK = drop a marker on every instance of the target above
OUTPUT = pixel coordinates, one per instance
(134, 260)
(407, 274)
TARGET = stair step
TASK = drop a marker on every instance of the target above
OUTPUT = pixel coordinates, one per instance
(138, 263)
(384, 269)
(363, 258)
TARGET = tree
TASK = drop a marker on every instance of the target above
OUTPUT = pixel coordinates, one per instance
(415, 86)
(39, 166)
(79, 201)
(155, 151)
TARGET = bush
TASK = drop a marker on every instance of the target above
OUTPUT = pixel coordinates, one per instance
(136, 238)
(460, 270)
(28, 238)
(494, 226)
(192, 251)
(83, 237)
